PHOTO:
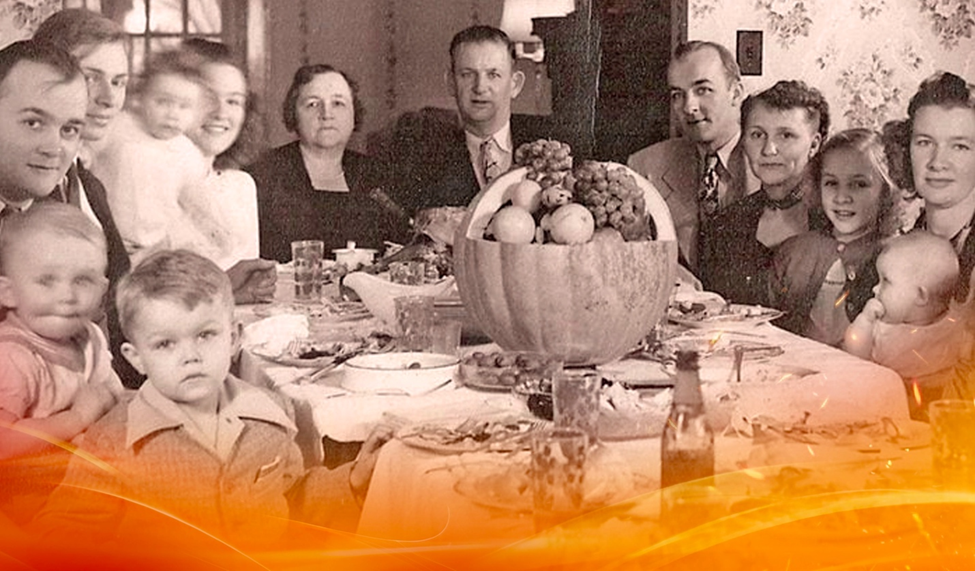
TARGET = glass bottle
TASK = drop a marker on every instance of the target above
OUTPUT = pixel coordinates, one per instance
(686, 450)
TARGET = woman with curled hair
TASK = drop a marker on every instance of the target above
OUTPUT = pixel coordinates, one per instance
(939, 140)
(823, 278)
(783, 128)
(315, 187)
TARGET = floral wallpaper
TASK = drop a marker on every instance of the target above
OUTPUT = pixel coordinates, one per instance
(867, 56)
(19, 19)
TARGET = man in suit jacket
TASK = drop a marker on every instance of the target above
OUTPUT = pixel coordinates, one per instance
(439, 164)
(706, 96)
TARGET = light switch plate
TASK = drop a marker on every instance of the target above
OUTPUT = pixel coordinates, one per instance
(750, 52)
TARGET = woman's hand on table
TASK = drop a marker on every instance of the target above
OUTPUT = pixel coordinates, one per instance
(361, 472)
(253, 281)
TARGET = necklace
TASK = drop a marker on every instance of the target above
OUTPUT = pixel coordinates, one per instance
(785, 203)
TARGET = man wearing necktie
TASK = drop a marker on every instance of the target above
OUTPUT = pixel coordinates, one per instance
(440, 164)
(705, 170)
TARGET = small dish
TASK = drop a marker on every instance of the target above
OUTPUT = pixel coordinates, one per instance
(407, 373)
(501, 371)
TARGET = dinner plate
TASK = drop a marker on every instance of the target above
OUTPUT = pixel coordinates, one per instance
(734, 315)
(319, 354)
(508, 486)
(500, 434)
(326, 311)
(639, 373)
(617, 426)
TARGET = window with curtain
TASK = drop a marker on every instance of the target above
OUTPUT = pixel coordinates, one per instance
(156, 25)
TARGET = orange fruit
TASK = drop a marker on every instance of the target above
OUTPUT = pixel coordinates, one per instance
(572, 224)
(513, 224)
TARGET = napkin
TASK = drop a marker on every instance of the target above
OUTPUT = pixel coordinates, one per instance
(271, 336)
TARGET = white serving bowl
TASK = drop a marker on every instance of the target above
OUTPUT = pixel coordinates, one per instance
(378, 293)
(407, 373)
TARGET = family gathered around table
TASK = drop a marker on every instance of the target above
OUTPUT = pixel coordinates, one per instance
(144, 238)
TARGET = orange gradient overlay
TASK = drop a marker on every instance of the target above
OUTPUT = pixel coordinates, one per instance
(797, 506)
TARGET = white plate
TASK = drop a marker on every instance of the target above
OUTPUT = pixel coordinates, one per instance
(735, 315)
(502, 434)
(399, 373)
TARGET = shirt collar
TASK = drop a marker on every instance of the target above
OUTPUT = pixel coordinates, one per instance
(150, 411)
(502, 137)
(16, 205)
(724, 152)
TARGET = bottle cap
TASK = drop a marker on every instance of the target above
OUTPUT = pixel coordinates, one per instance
(687, 389)
(687, 360)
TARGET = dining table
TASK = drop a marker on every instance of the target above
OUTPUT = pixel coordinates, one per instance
(813, 447)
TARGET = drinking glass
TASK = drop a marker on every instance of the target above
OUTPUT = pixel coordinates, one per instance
(444, 337)
(558, 459)
(414, 315)
(575, 400)
(307, 256)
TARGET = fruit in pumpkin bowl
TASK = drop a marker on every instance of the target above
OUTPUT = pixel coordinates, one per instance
(587, 302)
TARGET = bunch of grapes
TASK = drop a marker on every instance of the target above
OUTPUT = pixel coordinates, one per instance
(547, 160)
(613, 197)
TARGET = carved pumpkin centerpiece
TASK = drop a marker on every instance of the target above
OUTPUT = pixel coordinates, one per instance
(578, 264)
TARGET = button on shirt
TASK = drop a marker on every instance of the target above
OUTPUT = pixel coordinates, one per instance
(503, 139)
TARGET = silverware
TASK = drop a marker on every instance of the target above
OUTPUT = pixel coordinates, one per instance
(318, 374)
(739, 357)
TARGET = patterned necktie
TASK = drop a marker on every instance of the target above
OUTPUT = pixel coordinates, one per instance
(708, 193)
(490, 160)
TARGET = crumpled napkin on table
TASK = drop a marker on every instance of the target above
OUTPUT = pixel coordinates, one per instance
(271, 335)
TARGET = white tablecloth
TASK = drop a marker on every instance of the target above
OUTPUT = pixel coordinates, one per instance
(844, 388)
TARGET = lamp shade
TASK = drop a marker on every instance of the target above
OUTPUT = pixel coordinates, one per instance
(516, 16)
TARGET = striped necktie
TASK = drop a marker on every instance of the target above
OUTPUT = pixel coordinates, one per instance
(490, 160)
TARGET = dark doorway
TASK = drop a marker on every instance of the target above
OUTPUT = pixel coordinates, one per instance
(608, 67)
(632, 105)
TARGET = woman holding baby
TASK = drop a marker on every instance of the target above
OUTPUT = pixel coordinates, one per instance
(919, 321)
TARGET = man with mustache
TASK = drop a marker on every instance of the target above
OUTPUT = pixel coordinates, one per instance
(705, 169)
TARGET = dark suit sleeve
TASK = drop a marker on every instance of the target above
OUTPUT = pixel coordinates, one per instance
(118, 266)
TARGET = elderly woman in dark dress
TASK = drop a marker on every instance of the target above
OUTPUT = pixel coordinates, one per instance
(315, 188)
(783, 128)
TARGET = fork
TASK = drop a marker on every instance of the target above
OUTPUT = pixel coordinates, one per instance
(321, 372)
